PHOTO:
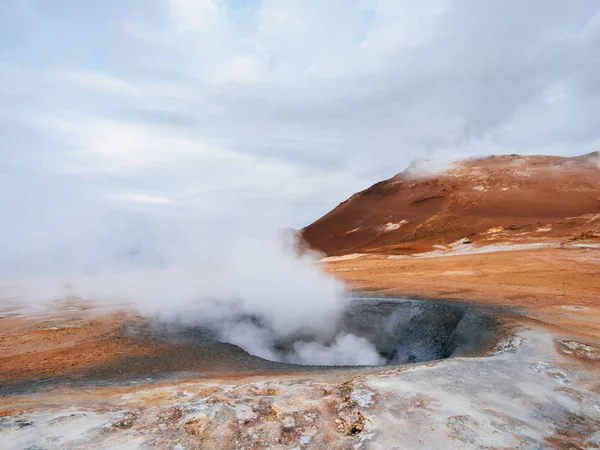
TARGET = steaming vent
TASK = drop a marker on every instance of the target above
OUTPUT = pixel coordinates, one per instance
(370, 332)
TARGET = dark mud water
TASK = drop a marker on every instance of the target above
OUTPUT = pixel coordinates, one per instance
(412, 331)
(403, 331)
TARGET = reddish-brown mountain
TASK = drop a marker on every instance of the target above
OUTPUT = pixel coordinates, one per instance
(516, 198)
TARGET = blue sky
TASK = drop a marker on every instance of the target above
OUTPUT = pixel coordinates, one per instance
(264, 114)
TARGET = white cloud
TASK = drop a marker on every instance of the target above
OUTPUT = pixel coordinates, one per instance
(137, 30)
(241, 69)
(141, 198)
(279, 18)
(399, 24)
(194, 15)
(555, 94)
(88, 79)
(104, 145)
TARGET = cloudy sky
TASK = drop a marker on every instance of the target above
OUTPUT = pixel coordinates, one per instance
(269, 113)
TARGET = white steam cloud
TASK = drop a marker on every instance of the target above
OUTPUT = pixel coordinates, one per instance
(256, 292)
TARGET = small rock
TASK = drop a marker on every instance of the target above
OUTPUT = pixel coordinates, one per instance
(288, 422)
(352, 424)
(122, 421)
(580, 349)
(563, 376)
(244, 413)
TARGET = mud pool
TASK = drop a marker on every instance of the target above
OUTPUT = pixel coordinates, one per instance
(397, 331)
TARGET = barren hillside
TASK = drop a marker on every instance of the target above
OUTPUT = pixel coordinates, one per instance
(498, 199)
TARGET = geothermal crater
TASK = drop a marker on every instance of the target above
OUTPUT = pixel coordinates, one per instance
(370, 332)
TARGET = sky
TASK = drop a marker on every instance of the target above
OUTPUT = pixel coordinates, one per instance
(262, 114)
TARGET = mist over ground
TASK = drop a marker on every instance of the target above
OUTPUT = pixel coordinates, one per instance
(254, 289)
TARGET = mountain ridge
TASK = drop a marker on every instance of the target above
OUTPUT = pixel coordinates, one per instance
(522, 198)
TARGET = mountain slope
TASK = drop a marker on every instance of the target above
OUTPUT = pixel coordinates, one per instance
(493, 199)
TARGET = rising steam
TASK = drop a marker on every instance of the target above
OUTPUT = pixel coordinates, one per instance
(259, 293)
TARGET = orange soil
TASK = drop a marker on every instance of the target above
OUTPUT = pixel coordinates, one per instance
(541, 281)
(33, 348)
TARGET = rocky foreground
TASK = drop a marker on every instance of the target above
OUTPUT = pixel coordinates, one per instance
(537, 389)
